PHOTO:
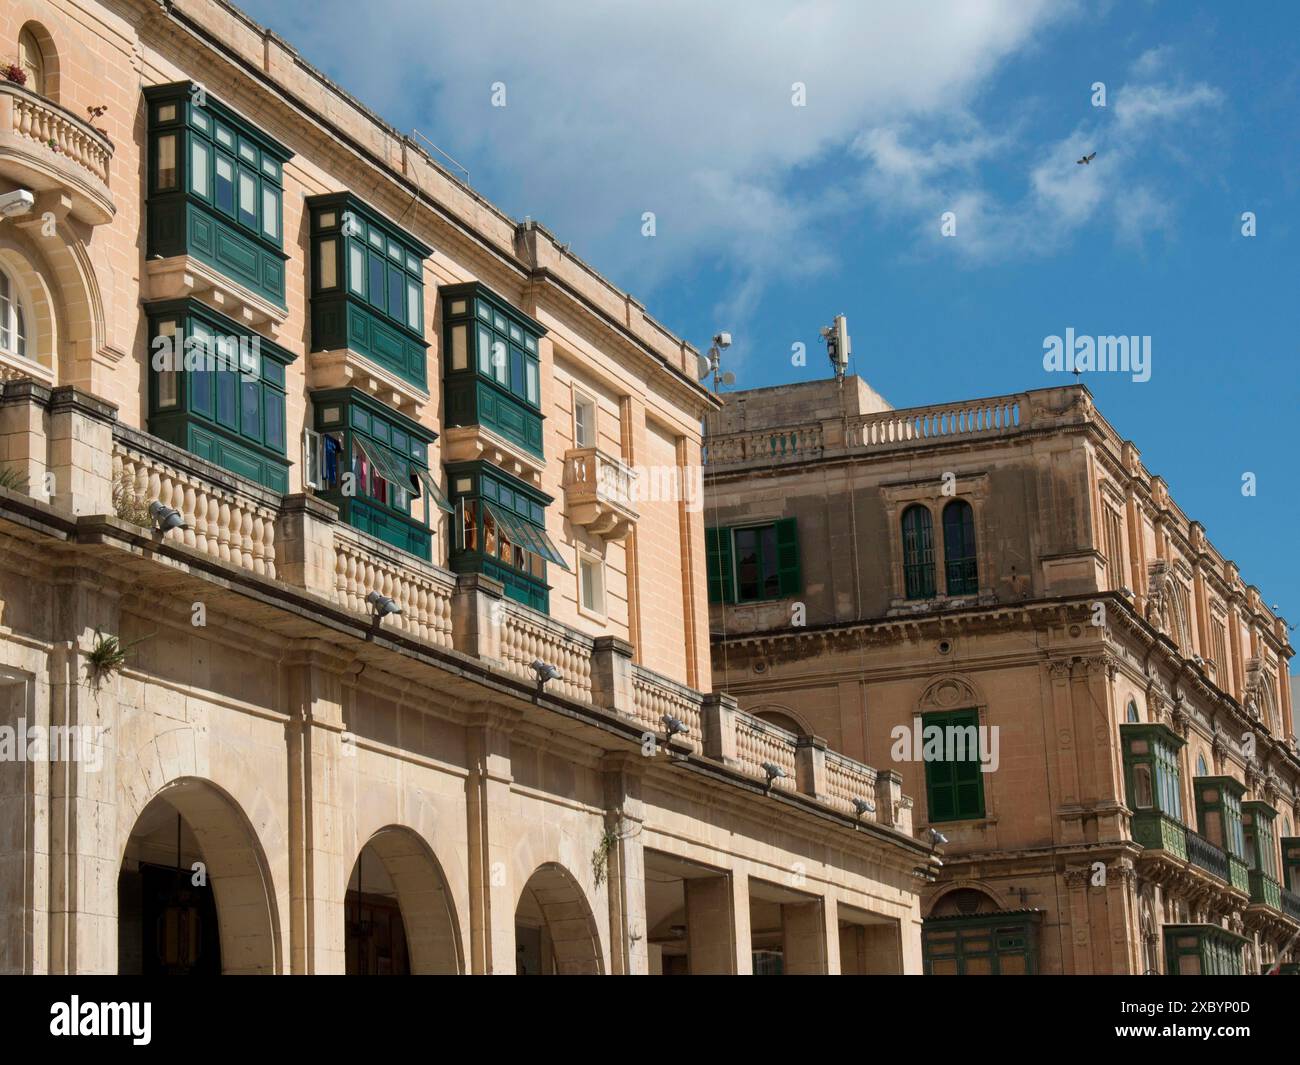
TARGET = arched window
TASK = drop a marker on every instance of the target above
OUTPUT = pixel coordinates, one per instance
(918, 552)
(32, 60)
(1133, 717)
(961, 574)
(1202, 770)
(13, 320)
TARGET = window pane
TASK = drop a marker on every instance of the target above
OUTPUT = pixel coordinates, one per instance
(274, 420)
(396, 292)
(226, 384)
(459, 355)
(199, 167)
(484, 352)
(167, 385)
(377, 276)
(328, 270)
(225, 190)
(270, 211)
(250, 418)
(413, 305)
(530, 375)
(248, 199)
(167, 161)
(356, 268)
(584, 418)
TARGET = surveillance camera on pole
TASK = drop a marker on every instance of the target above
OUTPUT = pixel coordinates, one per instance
(712, 363)
(838, 345)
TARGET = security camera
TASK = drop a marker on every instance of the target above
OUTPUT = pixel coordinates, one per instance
(674, 726)
(383, 605)
(863, 806)
(544, 671)
(165, 518)
(723, 340)
(937, 838)
(18, 202)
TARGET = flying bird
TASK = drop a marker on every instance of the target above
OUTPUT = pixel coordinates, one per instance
(1087, 159)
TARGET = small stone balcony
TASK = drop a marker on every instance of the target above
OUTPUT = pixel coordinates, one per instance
(599, 491)
(61, 158)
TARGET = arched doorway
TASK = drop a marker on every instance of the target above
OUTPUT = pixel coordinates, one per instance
(194, 896)
(398, 913)
(555, 932)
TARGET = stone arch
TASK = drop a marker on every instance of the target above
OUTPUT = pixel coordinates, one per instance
(30, 286)
(49, 57)
(964, 897)
(237, 869)
(950, 691)
(569, 921)
(60, 279)
(783, 717)
(1176, 615)
(424, 897)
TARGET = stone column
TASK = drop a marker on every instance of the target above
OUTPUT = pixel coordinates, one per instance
(718, 714)
(810, 766)
(491, 880)
(24, 448)
(611, 674)
(81, 451)
(808, 946)
(316, 751)
(476, 609)
(625, 871)
(304, 543)
(718, 938)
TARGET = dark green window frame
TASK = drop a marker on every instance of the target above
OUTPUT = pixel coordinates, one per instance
(226, 400)
(386, 455)
(954, 788)
(1202, 950)
(1218, 813)
(1257, 824)
(235, 225)
(753, 563)
(500, 530)
(367, 285)
(1152, 757)
(992, 944)
(918, 552)
(491, 362)
(961, 570)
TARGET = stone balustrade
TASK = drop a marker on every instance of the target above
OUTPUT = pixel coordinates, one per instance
(363, 564)
(787, 444)
(71, 440)
(226, 517)
(759, 742)
(654, 696)
(49, 149)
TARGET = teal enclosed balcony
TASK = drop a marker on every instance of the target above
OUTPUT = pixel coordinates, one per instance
(215, 205)
(491, 366)
(367, 303)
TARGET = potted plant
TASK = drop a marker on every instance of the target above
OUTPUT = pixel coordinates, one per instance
(16, 74)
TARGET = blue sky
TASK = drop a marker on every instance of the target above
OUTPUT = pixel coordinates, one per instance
(771, 218)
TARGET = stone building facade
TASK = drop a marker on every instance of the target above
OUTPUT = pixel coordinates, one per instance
(1006, 572)
(352, 589)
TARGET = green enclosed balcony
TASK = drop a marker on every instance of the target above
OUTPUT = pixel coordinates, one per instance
(1202, 950)
(372, 463)
(218, 390)
(500, 531)
(491, 361)
(215, 190)
(1218, 814)
(1257, 819)
(367, 302)
(1153, 782)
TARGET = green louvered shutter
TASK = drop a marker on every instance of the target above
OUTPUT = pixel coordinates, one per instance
(787, 558)
(717, 544)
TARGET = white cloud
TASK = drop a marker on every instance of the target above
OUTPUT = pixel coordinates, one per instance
(675, 106)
